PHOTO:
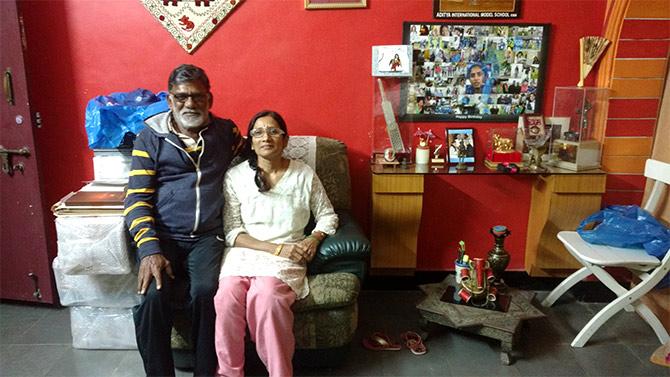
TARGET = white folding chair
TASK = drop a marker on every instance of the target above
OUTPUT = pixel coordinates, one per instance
(649, 269)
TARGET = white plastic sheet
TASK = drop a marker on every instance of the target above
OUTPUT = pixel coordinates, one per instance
(89, 245)
(111, 291)
(102, 328)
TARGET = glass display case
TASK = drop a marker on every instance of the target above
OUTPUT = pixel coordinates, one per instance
(580, 114)
(392, 142)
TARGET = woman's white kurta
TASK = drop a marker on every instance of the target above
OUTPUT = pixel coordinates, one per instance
(279, 215)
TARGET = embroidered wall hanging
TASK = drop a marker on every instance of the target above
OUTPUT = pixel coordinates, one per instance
(190, 21)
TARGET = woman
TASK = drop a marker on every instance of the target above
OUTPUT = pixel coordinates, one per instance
(268, 200)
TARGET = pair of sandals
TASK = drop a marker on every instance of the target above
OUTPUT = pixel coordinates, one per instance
(379, 341)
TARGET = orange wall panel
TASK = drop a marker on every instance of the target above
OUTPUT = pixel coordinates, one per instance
(637, 88)
(627, 146)
(648, 9)
(640, 68)
(624, 164)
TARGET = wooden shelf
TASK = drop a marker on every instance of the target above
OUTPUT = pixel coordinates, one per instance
(560, 200)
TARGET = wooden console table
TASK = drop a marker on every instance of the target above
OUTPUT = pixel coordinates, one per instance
(560, 199)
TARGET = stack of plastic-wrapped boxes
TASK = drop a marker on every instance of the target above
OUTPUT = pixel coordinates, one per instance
(95, 273)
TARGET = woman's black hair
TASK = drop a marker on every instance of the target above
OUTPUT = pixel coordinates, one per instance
(249, 153)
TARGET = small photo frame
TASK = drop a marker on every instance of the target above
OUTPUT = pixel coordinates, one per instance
(534, 124)
(558, 126)
(461, 144)
(392, 61)
(335, 4)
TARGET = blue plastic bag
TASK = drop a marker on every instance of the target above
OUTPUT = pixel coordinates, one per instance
(628, 227)
(111, 119)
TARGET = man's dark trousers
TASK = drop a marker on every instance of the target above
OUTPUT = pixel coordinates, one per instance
(196, 263)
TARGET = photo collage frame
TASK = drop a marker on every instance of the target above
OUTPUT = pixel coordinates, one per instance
(474, 72)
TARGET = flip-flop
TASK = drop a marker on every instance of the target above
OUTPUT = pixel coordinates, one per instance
(379, 341)
(413, 342)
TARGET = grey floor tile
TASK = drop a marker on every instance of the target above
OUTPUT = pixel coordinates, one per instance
(610, 360)
(77, 362)
(629, 328)
(9, 312)
(16, 320)
(130, 364)
(30, 360)
(569, 318)
(643, 353)
(35, 341)
(548, 359)
(473, 355)
(53, 328)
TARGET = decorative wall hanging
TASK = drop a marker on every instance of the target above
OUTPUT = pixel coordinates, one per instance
(476, 8)
(590, 49)
(190, 22)
(474, 72)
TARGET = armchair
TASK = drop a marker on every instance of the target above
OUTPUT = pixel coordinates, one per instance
(326, 320)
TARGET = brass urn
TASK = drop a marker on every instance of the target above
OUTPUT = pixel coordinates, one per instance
(498, 257)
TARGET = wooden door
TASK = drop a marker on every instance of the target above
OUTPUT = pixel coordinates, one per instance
(25, 272)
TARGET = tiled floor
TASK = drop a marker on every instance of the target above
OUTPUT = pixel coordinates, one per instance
(36, 341)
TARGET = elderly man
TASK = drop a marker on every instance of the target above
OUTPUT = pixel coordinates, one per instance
(173, 211)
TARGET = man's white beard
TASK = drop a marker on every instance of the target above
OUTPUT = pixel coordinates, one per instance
(188, 120)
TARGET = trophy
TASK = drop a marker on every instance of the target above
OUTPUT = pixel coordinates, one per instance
(535, 136)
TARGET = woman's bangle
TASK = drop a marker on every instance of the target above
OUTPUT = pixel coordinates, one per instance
(278, 249)
(314, 238)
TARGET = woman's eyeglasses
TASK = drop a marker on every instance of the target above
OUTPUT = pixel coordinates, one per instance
(271, 131)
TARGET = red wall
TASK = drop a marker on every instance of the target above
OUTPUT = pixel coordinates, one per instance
(311, 66)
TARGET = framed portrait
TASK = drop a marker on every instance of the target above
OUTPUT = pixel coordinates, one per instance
(391, 61)
(461, 144)
(558, 126)
(476, 9)
(474, 72)
(534, 125)
(334, 4)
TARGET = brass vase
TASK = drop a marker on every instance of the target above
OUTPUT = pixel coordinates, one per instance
(498, 257)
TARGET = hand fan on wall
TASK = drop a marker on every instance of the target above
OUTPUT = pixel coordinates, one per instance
(590, 50)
